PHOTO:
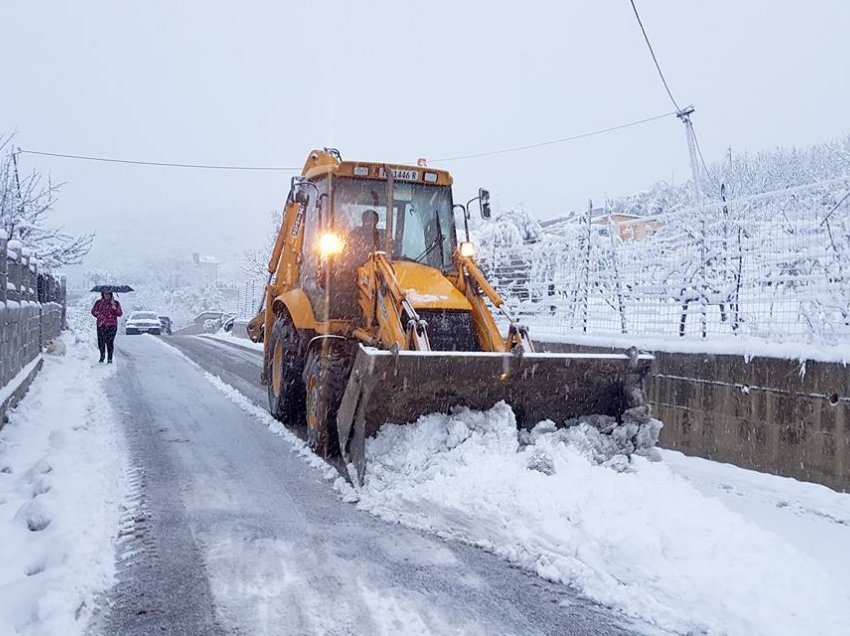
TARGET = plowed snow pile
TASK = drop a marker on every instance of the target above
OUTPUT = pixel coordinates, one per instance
(626, 532)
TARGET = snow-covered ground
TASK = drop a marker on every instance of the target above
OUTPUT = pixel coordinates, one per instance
(62, 485)
(688, 545)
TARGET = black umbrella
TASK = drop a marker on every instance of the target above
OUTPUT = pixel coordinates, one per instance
(112, 288)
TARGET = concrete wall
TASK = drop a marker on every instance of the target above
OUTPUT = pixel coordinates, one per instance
(240, 328)
(772, 415)
(32, 311)
(767, 414)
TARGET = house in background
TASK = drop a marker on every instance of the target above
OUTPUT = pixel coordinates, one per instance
(205, 270)
(629, 227)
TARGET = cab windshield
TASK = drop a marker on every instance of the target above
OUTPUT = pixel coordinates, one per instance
(423, 225)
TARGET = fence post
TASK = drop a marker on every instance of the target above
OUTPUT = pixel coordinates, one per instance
(703, 257)
(25, 274)
(618, 286)
(587, 268)
(62, 299)
(34, 279)
(4, 268)
(12, 256)
(5, 312)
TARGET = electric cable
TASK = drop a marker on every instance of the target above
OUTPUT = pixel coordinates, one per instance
(654, 59)
(169, 164)
(553, 141)
(164, 164)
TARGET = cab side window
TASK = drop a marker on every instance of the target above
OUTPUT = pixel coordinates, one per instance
(318, 206)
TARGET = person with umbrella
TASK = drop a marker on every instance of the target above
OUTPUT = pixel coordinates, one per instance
(106, 310)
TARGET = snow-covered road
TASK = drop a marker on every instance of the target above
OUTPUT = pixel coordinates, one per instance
(237, 534)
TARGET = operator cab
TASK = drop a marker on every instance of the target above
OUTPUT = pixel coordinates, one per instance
(345, 220)
(424, 229)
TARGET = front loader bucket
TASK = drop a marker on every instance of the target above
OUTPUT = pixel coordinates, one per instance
(399, 387)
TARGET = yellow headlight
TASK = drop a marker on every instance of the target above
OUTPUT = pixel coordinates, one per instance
(330, 244)
(467, 249)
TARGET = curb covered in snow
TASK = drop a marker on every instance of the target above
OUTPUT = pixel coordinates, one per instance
(17, 387)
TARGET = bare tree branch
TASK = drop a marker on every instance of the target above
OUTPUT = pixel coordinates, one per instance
(26, 204)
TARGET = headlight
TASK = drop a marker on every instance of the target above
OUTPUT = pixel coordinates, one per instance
(467, 249)
(330, 244)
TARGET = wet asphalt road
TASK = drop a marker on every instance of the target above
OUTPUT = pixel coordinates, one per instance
(231, 533)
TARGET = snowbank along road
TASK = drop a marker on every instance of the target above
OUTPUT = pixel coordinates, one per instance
(221, 522)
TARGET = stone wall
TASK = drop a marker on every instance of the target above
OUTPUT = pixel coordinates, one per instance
(32, 310)
(768, 414)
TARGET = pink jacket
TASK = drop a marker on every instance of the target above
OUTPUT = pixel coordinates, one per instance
(106, 314)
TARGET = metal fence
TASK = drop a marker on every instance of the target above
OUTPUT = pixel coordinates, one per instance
(247, 299)
(774, 266)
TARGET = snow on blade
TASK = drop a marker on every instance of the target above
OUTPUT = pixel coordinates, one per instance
(628, 533)
(62, 484)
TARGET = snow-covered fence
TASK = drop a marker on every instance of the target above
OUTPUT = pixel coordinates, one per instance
(774, 266)
(248, 298)
(32, 311)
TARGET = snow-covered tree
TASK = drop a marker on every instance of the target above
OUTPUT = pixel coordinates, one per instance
(26, 203)
(255, 261)
(170, 273)
(510, 227)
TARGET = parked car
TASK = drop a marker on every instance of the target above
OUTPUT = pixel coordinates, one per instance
(211, 320)
(165, 324)
(143, 322)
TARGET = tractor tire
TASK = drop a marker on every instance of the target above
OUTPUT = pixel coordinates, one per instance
(285, 369)
(326, 376)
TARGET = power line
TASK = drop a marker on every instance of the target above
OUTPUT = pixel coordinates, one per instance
(169, 164)
(553, 141)
(654, 59)
(165, 164)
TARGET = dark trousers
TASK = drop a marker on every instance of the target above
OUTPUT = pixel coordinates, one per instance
(106, 339)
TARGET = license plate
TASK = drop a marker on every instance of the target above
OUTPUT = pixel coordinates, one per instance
(400, 174)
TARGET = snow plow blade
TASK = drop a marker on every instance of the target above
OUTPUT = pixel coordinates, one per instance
(399, 387)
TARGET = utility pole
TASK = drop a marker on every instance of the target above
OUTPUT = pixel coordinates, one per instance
(20, 195)
(685, 115)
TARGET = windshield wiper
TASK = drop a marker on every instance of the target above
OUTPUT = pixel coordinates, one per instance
(438, 242)
(428, 250)
(440, 236)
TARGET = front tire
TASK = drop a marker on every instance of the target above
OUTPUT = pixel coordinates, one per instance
(285, 368)
(326, 377)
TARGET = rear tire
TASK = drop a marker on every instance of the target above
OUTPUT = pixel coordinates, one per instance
(285, 368)
(326, 376)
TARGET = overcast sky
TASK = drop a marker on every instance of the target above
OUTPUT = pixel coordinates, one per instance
(210, 81)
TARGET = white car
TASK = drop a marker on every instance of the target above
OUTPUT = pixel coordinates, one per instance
(143, 322)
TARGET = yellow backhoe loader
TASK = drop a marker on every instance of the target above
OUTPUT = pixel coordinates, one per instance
(374, 312)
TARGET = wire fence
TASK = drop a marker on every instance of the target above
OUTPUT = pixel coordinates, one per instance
(247, 299)
(775, 266)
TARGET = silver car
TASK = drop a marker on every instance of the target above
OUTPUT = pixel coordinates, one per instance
(143, 322)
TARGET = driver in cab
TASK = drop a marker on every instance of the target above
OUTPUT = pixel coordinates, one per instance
(365, 239)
